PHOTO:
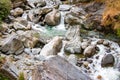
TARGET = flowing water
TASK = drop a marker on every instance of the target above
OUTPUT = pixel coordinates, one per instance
(107, 73)
(51, 31)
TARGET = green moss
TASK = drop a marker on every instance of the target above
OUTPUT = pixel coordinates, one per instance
(5, 6)
(78, 55)
(118, 32)
(21, 76)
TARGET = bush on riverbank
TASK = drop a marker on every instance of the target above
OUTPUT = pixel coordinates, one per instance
(111, 15)
(5, 6)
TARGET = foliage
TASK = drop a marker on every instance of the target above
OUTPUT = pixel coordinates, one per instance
(21, 76)
(3, 77)
(118, 32)
(111, 16)
(5, 6)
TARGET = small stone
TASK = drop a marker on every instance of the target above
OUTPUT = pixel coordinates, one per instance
(79, 63)
(85, 64)
(99, 77)
(64, 7)
(100, 41)
(84, 45)
(106, 43)
(89, 60)
(89, 51)
(108, 60)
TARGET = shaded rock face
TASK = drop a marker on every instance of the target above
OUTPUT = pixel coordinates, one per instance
(72, 20)
(89, 15)
(9, 70)
(107, 60)
(18, 3)
(52, 48)
(53, 18)
(12, 45)
(94, 12)
(58, 68)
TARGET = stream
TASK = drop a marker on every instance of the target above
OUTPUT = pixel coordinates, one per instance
(109, 73)
(27, 54)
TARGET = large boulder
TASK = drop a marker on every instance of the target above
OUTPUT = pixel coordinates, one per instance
(12, 45)
(53, 18)
(56, 68)
(17, 12)
(72, 19)
(73, 46)
(73, 32)
(108, 60)
(52, 48)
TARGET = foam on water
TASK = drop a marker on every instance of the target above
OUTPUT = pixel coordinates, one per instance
(54, 30)
(108, 73)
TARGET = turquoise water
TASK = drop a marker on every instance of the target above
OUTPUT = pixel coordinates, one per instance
(54, 32)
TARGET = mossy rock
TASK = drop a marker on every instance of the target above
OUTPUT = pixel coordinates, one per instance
(5, 6)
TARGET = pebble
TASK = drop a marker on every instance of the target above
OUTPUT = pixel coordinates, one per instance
(99, 77)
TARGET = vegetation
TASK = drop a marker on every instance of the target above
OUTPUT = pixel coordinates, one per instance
(3, 77)
(21, 76)
(111, 15)
(5, 6)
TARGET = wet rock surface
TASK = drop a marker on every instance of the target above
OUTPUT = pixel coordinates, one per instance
(53, 18)
(108, 60)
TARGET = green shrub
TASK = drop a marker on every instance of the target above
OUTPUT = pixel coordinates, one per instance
(118, 32)
(5, 6)
(21, 76)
